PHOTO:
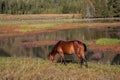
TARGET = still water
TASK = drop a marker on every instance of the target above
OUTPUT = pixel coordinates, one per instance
(11, 46)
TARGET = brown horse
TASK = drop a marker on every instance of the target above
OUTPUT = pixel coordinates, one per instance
(70, 47)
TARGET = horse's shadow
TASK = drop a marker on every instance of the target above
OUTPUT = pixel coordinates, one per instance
(3, 53)
(68, 59)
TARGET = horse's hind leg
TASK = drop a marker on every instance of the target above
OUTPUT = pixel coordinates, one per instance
(84, 59)
(81, 61)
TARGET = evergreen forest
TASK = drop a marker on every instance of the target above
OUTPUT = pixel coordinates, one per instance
(87, 8)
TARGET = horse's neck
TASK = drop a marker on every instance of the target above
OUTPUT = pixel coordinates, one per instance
(54, 50)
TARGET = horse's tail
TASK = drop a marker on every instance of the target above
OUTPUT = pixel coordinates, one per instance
(85, 47)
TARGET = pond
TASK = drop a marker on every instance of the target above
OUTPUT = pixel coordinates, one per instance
(12, 46)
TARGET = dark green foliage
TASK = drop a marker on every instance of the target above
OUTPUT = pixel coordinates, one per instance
(114, 8)
(101, 8)
(87, 8)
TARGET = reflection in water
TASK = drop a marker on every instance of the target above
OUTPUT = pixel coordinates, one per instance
(116, 59)
(12, 45)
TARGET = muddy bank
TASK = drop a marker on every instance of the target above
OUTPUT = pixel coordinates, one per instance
(115, 48)
(26, 30)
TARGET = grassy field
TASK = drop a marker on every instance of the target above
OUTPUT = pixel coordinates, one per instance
(12, 68)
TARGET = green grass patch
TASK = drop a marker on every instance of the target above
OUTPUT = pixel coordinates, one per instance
(44, 26)
(13, 23)
(104, 41)
(35, 27)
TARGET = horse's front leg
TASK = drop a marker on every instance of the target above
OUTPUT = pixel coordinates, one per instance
(62, 58)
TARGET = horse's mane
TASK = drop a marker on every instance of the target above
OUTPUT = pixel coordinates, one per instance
(58, 43)
(55, 47)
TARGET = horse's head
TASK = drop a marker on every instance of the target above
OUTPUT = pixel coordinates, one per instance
(53, 52)
(51, 56)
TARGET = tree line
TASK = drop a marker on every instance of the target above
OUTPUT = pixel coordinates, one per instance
(87, 8)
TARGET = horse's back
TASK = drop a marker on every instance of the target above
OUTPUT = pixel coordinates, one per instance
(66, 47)
(70, 46)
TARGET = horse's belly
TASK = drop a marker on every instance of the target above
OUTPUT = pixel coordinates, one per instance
(69, 50)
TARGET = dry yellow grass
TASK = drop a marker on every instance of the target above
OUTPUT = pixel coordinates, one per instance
(37, 69)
